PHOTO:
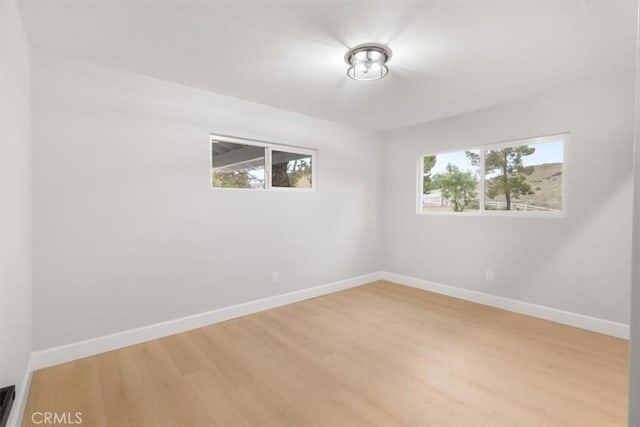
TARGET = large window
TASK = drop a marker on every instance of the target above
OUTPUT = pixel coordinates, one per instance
(255, 165)
(522, 178)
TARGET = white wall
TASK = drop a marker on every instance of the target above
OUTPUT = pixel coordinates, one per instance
(15, 198)
(127, 231)
(580, 263)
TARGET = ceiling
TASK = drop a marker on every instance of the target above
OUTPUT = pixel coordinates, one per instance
(449, 57)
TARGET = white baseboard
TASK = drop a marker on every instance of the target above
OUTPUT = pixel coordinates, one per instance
(22, 392)
(607, 327)
(66, 353)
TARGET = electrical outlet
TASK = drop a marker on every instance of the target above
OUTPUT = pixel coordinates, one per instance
(274, 278)
(489, 275)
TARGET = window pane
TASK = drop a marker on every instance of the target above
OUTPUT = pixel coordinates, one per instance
(524, 178)
(290, 169)
(237, 165)
(450, 182)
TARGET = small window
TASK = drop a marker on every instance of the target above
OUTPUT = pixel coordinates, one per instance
(291, 170)
(237, 165)
(521, 178)
(255, 165)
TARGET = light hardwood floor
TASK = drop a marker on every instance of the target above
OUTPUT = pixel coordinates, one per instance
(380, 354)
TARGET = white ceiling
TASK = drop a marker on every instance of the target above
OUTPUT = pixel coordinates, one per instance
(449, 57)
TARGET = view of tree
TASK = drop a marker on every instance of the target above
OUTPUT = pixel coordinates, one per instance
(457, 186)
(293, 173)
(427, 183)
(511, 178)
(279, 175)
(231, 179)
(300, 170)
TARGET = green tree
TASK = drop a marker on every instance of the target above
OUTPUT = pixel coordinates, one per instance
(511, 180)
(231, 179)
(292, 173)
(427, 180)
(300, 172)
(457, 186)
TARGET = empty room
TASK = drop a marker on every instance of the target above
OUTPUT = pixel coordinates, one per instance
(319, 213)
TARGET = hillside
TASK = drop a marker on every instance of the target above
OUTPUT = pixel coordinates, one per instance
(546, 184)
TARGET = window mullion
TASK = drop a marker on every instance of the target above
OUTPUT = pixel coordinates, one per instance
(267, 178)
(481, 177)
(421, 175)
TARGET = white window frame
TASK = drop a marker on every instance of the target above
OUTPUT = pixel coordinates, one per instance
(269, 148)
(564, 137)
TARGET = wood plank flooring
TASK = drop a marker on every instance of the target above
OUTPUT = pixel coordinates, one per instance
(377, 355)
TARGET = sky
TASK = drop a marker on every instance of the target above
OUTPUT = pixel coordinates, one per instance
(549, 152)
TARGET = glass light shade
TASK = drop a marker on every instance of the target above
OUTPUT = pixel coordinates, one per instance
(367, 62)
(367, 70)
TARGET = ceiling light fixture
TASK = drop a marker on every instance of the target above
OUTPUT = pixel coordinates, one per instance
(367, 61)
